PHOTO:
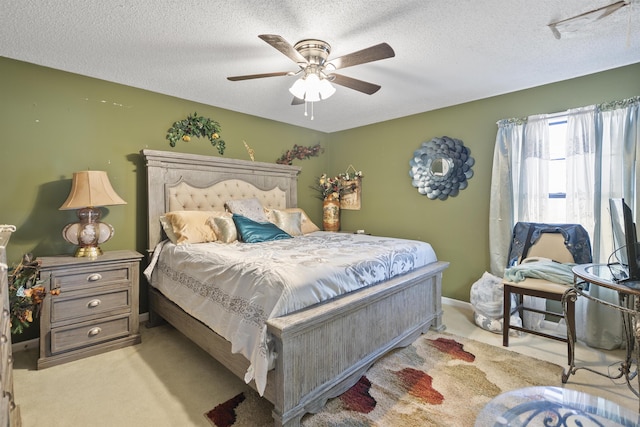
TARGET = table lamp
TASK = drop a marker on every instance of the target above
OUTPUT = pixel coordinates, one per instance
(89, 191)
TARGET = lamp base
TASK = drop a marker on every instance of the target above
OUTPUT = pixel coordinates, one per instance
(88, 251)
(88, 234)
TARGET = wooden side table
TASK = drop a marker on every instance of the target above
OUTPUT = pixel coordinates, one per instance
(96, 309)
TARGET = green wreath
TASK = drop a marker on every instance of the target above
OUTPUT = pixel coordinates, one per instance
(195, 125)
(299, 152)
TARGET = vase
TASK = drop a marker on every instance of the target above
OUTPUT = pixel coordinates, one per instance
(331, 214)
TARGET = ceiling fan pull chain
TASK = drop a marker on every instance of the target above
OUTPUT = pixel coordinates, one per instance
(312, 111)
(305, 108)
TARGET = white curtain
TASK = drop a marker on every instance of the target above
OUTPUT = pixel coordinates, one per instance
(502, 209)
(602, 142)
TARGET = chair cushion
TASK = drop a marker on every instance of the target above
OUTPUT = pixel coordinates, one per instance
(539, 285)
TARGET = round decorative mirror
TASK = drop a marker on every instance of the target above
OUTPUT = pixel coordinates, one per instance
(441, 167)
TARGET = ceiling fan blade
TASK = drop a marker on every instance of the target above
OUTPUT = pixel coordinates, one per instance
(370, 54)
(258, 76)
(355, 84)
(297, 101)
(285, 47)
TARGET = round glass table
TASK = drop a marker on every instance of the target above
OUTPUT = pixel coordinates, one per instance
(553, 406)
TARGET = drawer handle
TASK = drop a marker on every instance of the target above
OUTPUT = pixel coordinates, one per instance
(94, 303)
(94, 277)
(5, 313)
(94, 331)
(3, 339)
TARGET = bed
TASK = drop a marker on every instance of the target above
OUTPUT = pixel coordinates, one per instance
(321, 350)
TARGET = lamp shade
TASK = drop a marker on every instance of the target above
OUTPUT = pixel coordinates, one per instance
(90, 189)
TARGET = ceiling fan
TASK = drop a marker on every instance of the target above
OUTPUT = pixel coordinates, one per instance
(316, 72)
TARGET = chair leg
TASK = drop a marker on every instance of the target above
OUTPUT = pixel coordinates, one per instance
(506, 316)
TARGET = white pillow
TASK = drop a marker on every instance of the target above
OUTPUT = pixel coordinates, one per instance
(168, 229)
(290, 222)
(224, 228)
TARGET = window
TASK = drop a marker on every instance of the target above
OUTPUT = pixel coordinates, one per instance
(557, 170)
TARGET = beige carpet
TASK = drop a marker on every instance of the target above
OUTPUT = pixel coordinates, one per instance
(439, 380)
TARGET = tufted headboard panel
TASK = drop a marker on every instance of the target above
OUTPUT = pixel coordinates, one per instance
(180, 181)
(185, 197)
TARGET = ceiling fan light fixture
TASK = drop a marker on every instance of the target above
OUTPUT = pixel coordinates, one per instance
(312, 88)
(326, 89)
(298, 88)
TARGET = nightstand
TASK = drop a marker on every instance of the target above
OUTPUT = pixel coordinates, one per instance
(96, 309)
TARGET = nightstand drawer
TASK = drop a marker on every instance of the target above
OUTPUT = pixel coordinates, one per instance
(80, 335)
(97, 303)
(90, 276)
(96, 308)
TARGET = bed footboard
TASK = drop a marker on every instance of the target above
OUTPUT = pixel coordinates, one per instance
(324, 350)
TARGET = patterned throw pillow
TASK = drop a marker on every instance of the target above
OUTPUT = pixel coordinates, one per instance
(250, 208)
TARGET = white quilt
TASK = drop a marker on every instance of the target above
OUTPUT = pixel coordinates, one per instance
(234, 288)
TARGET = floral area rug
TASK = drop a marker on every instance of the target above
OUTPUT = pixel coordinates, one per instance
(439, 380)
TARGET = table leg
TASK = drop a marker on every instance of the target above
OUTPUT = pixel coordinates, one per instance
(571, 294)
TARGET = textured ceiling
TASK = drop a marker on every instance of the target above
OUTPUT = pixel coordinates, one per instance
(447, 51)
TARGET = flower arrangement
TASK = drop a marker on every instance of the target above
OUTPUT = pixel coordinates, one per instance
(299, 152)
(327, 187)
(337, 186)
(195, 125)
(25, 293)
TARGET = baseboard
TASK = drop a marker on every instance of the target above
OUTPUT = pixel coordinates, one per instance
(144, 317)
(546, 325)
(25, 345)
(35, 343)
(456, 302)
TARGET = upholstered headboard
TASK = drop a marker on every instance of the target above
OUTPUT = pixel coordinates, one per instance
(180, 181)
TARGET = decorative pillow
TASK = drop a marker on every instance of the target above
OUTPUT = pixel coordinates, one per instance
(249, 208)
(290, 222)
(251, 231)
(306, 225)
(168, 229)
(190, 226)
(224, 227)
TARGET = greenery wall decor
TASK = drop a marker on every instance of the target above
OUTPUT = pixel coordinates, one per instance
(195, 125)
(299, 152)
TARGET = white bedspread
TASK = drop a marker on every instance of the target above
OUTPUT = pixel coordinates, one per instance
(234, 288)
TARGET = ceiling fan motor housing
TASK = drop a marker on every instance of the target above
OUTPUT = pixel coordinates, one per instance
(314, 51)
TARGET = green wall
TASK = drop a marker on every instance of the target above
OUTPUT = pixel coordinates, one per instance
(457, 227)
(54, 123)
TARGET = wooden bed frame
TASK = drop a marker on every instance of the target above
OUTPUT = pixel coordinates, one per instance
(322, 350)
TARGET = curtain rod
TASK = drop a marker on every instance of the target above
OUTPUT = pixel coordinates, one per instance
(604, 106)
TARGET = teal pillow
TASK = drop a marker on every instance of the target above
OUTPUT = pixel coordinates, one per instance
(251, 231)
